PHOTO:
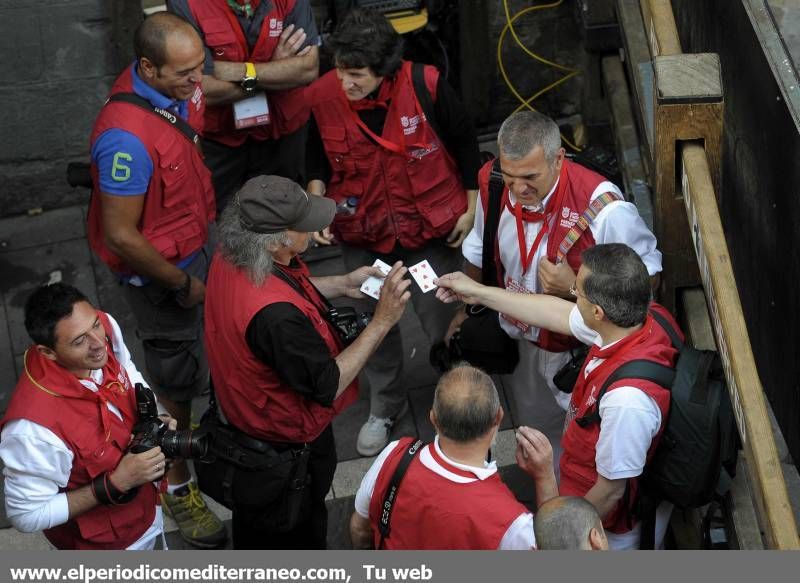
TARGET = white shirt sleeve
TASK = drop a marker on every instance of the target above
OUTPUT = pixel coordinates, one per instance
(619, 222)
(629, 420)
(37, 465)
(123, 354)
(519, 536)
(472, 247)
(580, 330)
(364, 494)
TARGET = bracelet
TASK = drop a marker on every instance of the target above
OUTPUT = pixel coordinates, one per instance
(107, 493)
(182, 292)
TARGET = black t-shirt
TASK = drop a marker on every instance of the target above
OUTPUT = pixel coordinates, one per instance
(284, 339)
(454, 123)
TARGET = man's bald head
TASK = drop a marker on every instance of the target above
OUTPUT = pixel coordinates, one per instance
(465, 405)
(151, 39)
(569, 523)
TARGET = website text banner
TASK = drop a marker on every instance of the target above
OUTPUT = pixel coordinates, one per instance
(397, 567)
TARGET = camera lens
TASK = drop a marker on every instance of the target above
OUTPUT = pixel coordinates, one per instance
(184, 444)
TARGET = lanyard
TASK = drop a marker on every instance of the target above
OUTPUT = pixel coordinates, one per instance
(239, 33)
(387, 144)
(526, 256)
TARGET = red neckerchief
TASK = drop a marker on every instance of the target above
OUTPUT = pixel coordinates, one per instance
(447, 465)
(522, 215)
(111, 390)
(385, 94)
(614, 353)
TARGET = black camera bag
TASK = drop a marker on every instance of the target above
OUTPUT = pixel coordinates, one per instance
(246, 472)
(481, 341)
(567, 375)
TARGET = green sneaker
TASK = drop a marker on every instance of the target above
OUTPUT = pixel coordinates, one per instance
(198, 525)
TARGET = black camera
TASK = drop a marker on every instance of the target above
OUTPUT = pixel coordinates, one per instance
(347, 322)
(150, 431)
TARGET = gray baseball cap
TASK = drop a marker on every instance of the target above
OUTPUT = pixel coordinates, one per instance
(270, 204)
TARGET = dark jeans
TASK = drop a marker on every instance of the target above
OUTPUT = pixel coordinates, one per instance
(233, 166)
(249, 527)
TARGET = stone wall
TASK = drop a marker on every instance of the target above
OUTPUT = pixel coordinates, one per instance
(59, 59)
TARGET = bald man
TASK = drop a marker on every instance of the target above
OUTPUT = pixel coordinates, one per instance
(149, 219)
(569, 523)
(450, 496)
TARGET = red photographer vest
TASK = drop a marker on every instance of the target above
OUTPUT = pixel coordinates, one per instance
(575, 187)
(251, 394)
(224, 36)
(52, 397)
(578, 470)
(179, 202)
(407, 187)
(431, 512)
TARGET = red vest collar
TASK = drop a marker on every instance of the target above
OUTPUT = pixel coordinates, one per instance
(447, 465)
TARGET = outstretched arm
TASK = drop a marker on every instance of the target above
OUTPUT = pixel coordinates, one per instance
(542, 311)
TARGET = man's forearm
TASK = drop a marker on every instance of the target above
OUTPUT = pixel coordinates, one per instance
(360, 532)
(330, 286)
(273, 75)
(542, 311)
(142, 257)
(219, 92)
(80, 501)
(353, 358)
(605, 494)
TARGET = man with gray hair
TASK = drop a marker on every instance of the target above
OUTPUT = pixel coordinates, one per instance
(450, 497)
(545, 201)
(569, 523)
(283, 360)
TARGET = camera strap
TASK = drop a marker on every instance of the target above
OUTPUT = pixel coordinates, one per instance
(299, 289)
(172, 119)
(391, 492)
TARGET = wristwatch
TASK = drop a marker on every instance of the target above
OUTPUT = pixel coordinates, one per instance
(250, 78)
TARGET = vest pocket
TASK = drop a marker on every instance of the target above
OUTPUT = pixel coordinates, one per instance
(220, 38)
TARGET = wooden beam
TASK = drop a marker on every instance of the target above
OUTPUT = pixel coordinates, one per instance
(662, 32)
(733, 343)
(640, 73)
(626, 137)
(688, 106)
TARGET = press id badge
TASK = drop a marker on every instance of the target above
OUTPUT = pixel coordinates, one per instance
(516, 287)
(253, 111)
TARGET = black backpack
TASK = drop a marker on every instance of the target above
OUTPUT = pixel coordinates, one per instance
(696, 457)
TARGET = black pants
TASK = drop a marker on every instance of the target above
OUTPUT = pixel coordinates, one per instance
(233, 166)
(249, 530)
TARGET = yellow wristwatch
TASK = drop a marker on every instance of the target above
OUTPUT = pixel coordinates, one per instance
(250, 79)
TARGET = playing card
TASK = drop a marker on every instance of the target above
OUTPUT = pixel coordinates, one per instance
(372, 286)
(424, 275)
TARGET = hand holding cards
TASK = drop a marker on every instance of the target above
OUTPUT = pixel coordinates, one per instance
(422, 273)
(372, 286)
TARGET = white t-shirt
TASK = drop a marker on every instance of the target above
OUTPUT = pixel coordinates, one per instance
(519, 535)
(38, 463)
(617, 222)
(629, 420)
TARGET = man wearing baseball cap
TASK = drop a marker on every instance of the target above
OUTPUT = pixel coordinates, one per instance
(283, 361)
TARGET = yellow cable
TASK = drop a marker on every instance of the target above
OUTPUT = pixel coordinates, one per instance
(509, 27)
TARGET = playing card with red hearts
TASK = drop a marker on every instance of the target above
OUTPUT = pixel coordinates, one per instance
(424, 275)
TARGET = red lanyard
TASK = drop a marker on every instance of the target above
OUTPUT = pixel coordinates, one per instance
(391, 146)
(525, 256)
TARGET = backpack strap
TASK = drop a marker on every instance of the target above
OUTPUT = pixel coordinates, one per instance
(677, 344)
(645, 370)
(583, 223)
(491, 222)
(174, 120)
(391, 493)
(423, 95)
